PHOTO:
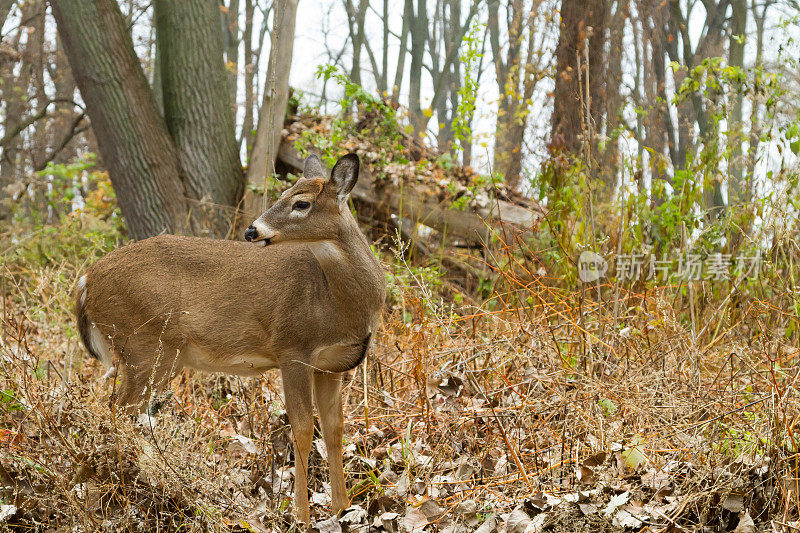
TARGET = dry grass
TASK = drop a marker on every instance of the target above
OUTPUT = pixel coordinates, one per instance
(549, 406)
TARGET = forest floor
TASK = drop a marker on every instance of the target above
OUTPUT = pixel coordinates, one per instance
(548, 416)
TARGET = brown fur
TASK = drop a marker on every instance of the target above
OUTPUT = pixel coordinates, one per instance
(308, 303)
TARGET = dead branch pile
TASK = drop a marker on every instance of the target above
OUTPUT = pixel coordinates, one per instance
(419, 188)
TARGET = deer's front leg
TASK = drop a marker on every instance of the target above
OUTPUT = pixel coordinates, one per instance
(297, 384)
(327, 390)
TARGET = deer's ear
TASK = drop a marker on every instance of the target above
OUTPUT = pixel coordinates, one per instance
(345, 175)
(313, 167)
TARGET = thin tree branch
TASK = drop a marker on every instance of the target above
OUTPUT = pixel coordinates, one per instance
(73, 131)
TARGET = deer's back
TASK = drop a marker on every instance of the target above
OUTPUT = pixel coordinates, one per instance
(213, 295)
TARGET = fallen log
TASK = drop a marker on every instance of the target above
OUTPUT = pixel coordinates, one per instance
(474, 225)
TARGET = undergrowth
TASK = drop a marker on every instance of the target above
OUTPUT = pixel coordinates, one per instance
(538, 403)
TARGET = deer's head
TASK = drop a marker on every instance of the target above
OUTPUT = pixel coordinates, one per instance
(312, 209)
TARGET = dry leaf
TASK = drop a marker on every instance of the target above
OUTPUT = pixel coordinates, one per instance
(331, 525)
(746, 524)
(414, 521)
(518, 521)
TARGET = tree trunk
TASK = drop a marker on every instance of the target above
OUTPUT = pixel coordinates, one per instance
(249, 71)
(613, 100)
(357, 35)
(64, 116)
(755, 123)
(516, 76)
(232, 49)
(507, 71)
(273, 107)
(419, 37)
(737, 192)
(38, 150)
(466, 155)
(133, 139)
(197, 107)
(658, 124)
(14, 91)
(685, 113)
(419, 34)
(408, 12)
(567, 123)
(383, 79)
(451, 27)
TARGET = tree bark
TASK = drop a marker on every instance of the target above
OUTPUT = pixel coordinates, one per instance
(249, 71)
(273, 107)
(133, 139)
(157, 84)
(567, 124)
(232, 49)
(197, 107)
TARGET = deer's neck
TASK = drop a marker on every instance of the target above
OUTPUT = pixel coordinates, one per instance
(353, 273)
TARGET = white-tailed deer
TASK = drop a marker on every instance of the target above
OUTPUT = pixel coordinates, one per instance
(308, 304)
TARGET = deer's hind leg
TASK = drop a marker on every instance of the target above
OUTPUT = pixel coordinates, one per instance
(145, 369)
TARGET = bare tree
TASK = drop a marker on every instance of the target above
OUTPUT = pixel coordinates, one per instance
(614, 102)
(518, 69)
(249, 76)
(356, 17)
(231, 42)
(408, 11)
(737, 188)
(441, 60)
(755, 122)
(582, 24)
(273, 106)
(15, 84)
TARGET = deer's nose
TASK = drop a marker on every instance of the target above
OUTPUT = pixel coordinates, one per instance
(250, 233)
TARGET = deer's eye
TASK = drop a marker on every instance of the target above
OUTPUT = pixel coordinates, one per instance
(301, 205)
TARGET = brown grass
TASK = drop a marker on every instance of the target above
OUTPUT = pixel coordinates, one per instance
(540, 392)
